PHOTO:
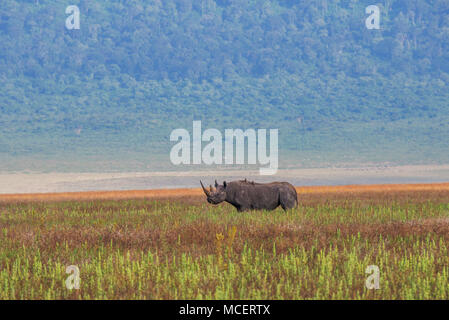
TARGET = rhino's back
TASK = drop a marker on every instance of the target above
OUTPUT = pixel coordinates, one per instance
(259, 195)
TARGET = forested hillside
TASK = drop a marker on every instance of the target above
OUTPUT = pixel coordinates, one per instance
(136, 70)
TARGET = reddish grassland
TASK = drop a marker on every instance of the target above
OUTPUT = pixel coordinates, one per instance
(171, 244)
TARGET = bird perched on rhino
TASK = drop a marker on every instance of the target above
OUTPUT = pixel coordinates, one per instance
(248, 195)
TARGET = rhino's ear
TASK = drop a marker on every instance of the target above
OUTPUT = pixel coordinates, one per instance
(224, 184)
(216, 183)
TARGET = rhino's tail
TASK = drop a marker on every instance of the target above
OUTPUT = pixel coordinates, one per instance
(296, 200)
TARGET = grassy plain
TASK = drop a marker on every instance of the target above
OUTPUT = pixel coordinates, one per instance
(171, 244)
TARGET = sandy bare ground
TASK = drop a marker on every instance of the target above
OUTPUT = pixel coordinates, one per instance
(28, 183)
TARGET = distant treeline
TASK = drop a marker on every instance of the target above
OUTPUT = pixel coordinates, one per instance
(139, 69)
(206, 39)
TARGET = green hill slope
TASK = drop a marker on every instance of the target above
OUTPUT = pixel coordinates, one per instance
(108, 95)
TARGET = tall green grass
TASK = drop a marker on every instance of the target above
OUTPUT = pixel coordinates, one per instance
(144, 249)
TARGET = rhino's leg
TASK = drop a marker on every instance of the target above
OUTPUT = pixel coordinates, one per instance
(239, 208)
(288, 200)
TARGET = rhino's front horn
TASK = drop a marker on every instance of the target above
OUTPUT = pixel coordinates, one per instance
(204, 189)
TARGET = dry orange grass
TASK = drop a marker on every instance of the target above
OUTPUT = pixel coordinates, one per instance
(196, 192)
